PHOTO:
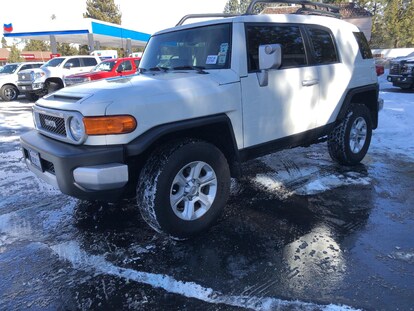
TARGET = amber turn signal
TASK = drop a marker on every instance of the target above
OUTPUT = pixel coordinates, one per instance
(109, 125)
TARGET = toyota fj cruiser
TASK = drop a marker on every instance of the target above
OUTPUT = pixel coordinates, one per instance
(209, 96)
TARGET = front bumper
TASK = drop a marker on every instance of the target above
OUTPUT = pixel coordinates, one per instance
(400, 79)
(30, 87)
(84, 172)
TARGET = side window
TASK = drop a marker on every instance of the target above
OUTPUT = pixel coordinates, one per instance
(72, 63)
(323, 46)
(136, 61)
(363, 45)
(289, 37)
(89, 62)
(126, 65)
(25, 67)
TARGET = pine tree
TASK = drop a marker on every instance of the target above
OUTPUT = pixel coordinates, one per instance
(66, 49)
(237, 6)
(14, 55)
(36, 45)
(104, 10)
(4, 43)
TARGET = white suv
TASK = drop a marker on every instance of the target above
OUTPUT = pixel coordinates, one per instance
(8, 78)
(209, 96)
(50, 77)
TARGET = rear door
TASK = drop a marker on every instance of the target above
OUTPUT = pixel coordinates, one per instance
(287, 105)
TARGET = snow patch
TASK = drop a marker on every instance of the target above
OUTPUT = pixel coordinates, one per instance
(79, 259)
(307, 182)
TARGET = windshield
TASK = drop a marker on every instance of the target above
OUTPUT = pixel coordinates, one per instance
(54, 62)
(11, 68)
(207, 47)
(104, 66)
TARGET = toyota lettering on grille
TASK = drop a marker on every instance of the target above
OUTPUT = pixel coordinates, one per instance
(50, 123)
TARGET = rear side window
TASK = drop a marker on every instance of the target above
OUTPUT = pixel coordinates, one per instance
(322, 46)
(73, 62)
(89, 61)
(288, 36)
(363, 45)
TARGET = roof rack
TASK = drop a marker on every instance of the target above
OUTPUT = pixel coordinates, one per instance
(308, 7)
(212, 15)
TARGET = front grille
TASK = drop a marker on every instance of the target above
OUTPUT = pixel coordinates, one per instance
(25, 76)
(53, 124)
(73, 81)
(394, 68)
(56, 124)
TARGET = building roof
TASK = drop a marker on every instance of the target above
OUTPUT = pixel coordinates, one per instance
(29, 56)
(107, 34)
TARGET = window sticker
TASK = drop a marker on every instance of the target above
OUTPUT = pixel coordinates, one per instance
(222, 59)
(224, 47)
(211, 59)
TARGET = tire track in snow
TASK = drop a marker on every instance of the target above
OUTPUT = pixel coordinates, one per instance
(81, 260)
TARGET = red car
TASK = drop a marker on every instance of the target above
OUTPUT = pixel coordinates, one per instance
(379, 69)
(107, 69)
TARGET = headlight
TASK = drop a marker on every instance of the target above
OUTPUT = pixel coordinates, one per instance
(76, 128)
(38, 75)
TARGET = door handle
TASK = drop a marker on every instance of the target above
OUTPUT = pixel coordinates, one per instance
(310, 82)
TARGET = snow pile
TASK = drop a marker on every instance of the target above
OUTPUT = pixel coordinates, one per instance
(80, 259)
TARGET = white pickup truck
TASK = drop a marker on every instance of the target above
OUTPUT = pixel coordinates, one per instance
(8, 78)
(38, 82)
(209, 96)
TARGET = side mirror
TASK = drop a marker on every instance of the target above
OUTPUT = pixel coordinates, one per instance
(270, 57)
(68, 65)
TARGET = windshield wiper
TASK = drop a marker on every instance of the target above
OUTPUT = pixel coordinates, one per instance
(158, 68)
(199, 69)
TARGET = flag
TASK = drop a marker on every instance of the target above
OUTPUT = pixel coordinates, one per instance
(8, 27)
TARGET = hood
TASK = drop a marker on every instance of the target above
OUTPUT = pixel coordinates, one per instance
(409, 58)
(93, 98)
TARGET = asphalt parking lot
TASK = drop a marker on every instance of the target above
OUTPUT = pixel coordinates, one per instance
(298, 233)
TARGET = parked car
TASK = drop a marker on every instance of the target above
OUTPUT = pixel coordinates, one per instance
(402, 72)
(107, 69)
(379, 69)
(8, 78)
(49, 78)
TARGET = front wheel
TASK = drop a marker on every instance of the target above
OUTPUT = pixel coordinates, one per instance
(183, 187)
(9, 92)
(349, 141)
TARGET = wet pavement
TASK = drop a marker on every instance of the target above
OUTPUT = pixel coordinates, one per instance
(298, 233)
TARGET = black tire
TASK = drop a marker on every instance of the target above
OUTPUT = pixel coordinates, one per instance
(51, 87)
(9, 92)
(159, 184)
(31, 96)
(349, 141)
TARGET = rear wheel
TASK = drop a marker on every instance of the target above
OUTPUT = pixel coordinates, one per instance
(183, 187)
(9, 92)
(349, 141)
